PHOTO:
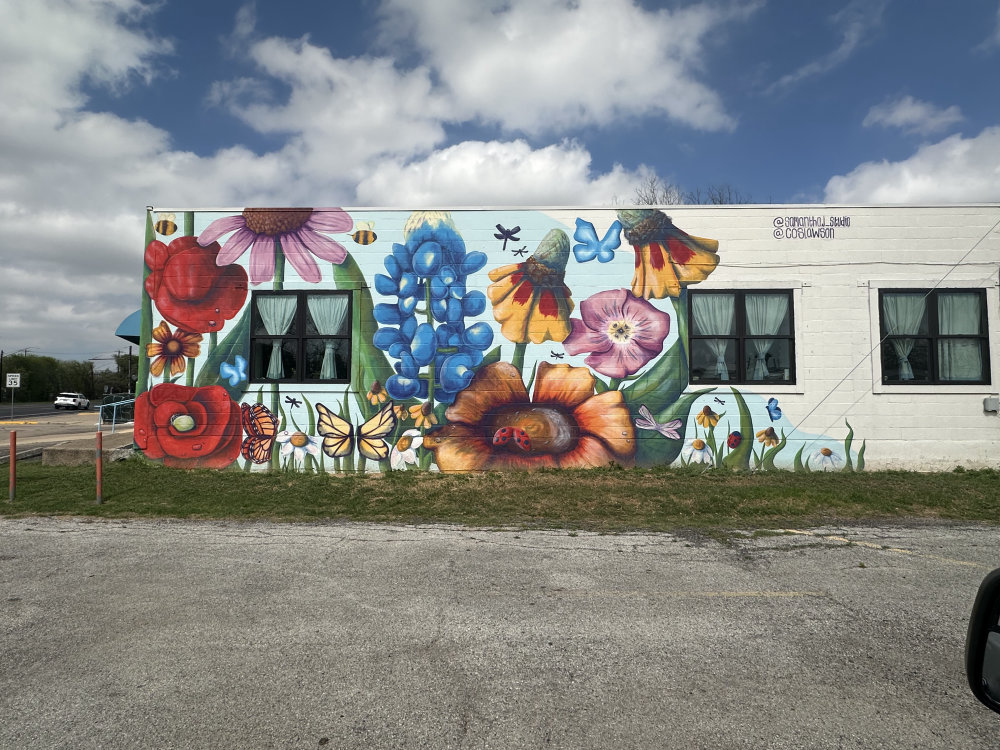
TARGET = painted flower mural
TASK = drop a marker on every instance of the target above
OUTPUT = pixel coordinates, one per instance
(567, 424)
(169, 349)
(697, 451)
(272, 233)
(188, 428)
(622, 332)
(530, 299)
(189, 288)
(666, 258)
(297, 444)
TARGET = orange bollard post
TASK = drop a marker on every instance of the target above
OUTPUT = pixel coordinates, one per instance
(100, 468)
(13, 465)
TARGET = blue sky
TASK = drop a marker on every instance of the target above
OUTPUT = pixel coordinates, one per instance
(112, 105)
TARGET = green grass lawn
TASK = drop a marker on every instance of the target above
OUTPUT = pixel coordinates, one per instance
(602, 500)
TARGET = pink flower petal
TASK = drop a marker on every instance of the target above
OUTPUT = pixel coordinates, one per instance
(298, 255)
(602, 308)
(262, 259)
(322, 246)
(330, 220)
(583, 339)
(220, 227)
(235, 247)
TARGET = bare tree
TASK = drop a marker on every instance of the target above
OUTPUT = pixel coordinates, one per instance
(653, 191)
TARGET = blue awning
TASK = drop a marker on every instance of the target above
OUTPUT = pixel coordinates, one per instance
(128, 329)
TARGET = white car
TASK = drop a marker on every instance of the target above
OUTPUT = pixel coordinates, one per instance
(72, 401)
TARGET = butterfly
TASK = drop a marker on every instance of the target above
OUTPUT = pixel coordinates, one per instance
(293, 402)
(591, 247)
(260, 425)
(772, 409)
(505, 435)
(338, 433)
(668, 429)
(234, 373)
(734, 439)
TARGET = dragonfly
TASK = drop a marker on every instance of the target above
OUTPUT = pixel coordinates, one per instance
(507, 234)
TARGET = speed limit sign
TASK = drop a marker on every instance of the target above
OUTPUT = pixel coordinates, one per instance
(13, 380)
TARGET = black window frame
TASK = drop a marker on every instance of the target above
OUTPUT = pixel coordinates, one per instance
(741, 336)
(933, 335)
(300, 337)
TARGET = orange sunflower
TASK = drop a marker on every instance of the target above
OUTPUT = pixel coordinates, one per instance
(666, 258)
(530, 300)
(171, 349)
(565, 425)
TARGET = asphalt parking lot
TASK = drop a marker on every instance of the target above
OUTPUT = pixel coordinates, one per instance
(159, 634)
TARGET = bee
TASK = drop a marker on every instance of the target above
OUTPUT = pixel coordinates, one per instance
(365, 234)
(165, 224)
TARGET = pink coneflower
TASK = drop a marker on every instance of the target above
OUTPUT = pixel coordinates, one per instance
(295, 230)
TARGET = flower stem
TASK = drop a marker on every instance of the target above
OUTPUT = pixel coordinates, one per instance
(518, 359)
(275, 406)
(614, 384)
(189, 378)
(279, 266)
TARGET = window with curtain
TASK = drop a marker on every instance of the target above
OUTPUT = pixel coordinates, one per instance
(740, 337)
(301, 337)
(934, 336)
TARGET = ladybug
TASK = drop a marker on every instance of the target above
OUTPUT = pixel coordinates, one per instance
(505, 435)
(734, 439)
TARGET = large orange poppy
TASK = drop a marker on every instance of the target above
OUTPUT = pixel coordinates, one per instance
(567, 424)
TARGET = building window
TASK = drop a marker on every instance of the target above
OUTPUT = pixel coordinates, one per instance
(301, 337)
(741, 337)
(934, 336)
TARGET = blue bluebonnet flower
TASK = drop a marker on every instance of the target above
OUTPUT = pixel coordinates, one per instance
(427, 275)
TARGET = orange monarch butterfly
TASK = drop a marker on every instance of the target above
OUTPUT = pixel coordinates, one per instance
(260, 425)
(338, 433)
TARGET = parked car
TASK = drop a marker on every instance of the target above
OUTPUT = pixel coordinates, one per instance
(72, 401)
(982, 644)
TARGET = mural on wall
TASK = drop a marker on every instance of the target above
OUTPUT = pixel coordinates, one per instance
(447, 347)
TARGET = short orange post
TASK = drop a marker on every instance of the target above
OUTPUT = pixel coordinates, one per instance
(100, 468)
(13, 465)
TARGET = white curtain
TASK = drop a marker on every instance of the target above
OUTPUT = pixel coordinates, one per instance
(328, 313)
(959, 359)
(277, 312)
(765, 314)
(713, 314)
(903, 315)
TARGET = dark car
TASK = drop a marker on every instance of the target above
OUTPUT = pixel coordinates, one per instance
(982, 644)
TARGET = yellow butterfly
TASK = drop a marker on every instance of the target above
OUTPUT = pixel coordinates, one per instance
(338, 433)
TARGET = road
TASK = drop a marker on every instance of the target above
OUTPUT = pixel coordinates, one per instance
(39, 425)
(137, 633)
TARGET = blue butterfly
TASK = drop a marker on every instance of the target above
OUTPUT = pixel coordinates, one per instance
(591, 247)
(235, 373)
(772, 409)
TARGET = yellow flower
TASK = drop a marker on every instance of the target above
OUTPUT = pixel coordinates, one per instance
(423, 415)
(171, 349)
(377, 394)
(707, 418)
(768, 437)
(530, 300)
(401, 412)
(666, 258)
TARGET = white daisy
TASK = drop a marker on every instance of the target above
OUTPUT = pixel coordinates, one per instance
(697, 452)
(405, 450)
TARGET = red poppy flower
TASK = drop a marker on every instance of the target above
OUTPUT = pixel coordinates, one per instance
(566, 423)
(189, 289)
(188, 428)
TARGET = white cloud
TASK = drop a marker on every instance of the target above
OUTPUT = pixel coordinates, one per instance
(992, 42)
(546, 65)
(913, 116)
(857, 22)
(953, 170)
(499, 174)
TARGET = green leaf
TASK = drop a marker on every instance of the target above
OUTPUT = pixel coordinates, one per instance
(861, 456)
(768, 462)
(848, 465)
(798, 459)
(236, 342)
(739, 457)
(662, 384)
(493, 355)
